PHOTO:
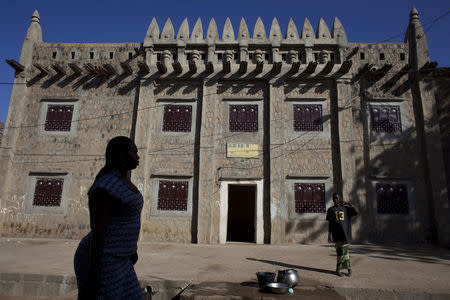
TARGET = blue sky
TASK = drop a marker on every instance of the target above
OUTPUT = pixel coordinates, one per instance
(127, 21)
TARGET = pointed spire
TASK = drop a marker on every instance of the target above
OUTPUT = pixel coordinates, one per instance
(413, 14)
(291, 31)
(212, 33)
(322, 30)
(243, 33)
(415, 37)
(275, 31)
(168, 33)
(228, 32)
(152, 33)
(338, 33)
(197, 32)
(34, 32)
(307, 30)
(259, 32)
(34, 35)
(183, 32)
(35, 17)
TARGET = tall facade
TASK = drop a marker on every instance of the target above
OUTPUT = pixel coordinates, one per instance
(241, 138)
(1, 131)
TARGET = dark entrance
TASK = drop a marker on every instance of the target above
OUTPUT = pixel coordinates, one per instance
(241, 213)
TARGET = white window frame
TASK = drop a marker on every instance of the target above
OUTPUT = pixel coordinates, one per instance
(161, 102)
(154, 198)
(325, 134)
(290, 193)
(411, 208)
(58, 101)
(44, 210)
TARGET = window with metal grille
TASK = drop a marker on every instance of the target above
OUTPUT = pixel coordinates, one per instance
(59, 117)
(177, 118)
(243, 118)
(392, 198)
(173, 195)
(308, 117)
(309, 197)
(48, 192)
(385, 118)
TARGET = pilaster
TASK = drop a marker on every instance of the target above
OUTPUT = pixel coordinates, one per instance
(207, 213)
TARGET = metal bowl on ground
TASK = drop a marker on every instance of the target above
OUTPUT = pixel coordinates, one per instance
(278, 287)
(290, 277)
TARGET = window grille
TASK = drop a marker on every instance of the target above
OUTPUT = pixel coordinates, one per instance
(177, 118)
(48, 192)
(173, 195)
(385, 118)
(392, 198)
(243, 118)
(309, 197)
(59, 118)
(308, 117)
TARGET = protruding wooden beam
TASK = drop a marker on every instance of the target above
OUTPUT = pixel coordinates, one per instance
(428, 67)
(276, 68)
(311, 67)
(144, 69)
(59, 69)
(345, 67)
(226, 66)
(328, 67)
(385, 69)
(101, 71)
(243, 67)
(41, 69)
(295, 67)
(192, 66)
(90, 69)
(352, 53)
(110, 70)
(76, 69)
(126, 68)
(161, 67)
(366, 68)
(15, 65)
(177, 67)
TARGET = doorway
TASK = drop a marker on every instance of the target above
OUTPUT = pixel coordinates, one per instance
(241, 213)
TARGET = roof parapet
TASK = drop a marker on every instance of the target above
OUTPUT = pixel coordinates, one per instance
(308, 35)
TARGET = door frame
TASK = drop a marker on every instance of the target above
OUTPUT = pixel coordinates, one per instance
(259, 222)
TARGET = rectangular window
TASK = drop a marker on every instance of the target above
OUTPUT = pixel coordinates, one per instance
(309, 198)
(48, 192)
(243, 118)
(59, 117)
(385, 118)
(308, 117)
(173, 195)
(392, 198)
(177, 118)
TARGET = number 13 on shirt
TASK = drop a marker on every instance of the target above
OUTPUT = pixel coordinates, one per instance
(339, 215)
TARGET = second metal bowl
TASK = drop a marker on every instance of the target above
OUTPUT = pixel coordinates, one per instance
(278, 287)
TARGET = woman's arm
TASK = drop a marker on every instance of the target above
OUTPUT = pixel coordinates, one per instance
(100, 213)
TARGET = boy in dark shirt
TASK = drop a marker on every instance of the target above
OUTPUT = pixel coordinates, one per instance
(340, 231)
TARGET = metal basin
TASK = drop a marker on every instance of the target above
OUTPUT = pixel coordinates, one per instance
(290, 277)
(278, 287)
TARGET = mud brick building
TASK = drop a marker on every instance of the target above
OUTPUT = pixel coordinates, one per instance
(241, 138)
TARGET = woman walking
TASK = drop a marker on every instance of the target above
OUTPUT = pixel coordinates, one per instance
(104, 260)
